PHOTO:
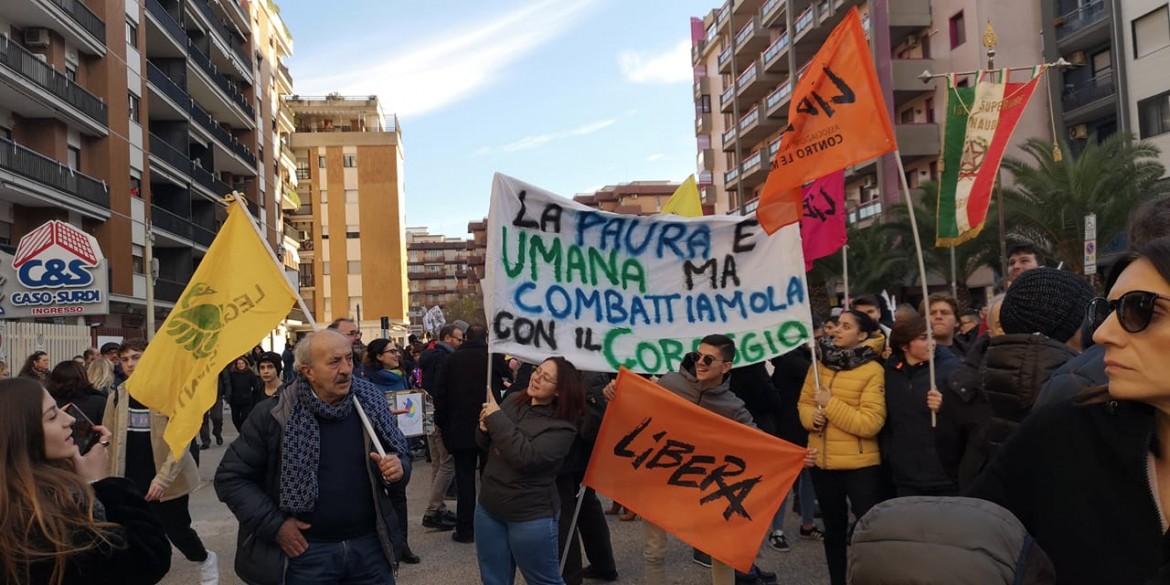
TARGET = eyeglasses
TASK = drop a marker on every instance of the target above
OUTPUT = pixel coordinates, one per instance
(539, 374)
(392, 351)
(354, 333)
(1135, 309)
(707, 360)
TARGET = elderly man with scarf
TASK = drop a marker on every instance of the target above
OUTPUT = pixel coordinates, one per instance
(306, 483)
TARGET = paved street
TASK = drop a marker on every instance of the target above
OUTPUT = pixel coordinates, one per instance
(450, 563)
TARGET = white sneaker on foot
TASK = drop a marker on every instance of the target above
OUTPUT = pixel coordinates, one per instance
(209, 570)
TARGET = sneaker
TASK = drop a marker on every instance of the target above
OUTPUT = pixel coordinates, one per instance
(592, 573)
(813, 533)
(701, 558)
(438, 522)
(464, 538)
(447, 515)
(779, 542)
(209, 570)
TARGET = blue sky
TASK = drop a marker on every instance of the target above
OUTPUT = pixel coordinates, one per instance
(569, 95)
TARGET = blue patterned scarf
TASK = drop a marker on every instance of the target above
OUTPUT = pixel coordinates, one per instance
(300, 449)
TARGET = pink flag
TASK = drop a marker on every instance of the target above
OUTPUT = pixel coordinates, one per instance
(822, 226)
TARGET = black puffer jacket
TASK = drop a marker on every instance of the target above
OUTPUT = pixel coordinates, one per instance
(526, 447)
(138, 552)
(1014, 370)
(788, 379)
(907, 439)
(753, 386)
(459, 394)
(248, 481)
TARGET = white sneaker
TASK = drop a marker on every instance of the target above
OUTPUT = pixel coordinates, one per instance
(209, 570)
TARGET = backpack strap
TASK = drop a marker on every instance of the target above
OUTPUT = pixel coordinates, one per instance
(1022, 561)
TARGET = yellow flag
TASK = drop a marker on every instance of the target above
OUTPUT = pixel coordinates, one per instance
(235, 298)
(685, 201)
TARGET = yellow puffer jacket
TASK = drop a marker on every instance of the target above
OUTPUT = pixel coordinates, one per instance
(856, 413)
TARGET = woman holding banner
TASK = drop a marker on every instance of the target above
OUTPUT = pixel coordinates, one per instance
(843, 407)
(527, 438)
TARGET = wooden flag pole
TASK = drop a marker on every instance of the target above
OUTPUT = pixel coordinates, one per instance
(921, 263)
(845, 272)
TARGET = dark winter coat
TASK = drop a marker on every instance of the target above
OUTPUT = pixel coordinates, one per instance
(459, 394)
(1075, 376)
(1077, 477)
(788, 376)
(248, 481)
(431, 363)
(91, 402)
(907, 439)
(243, 388)
(753, 386)
(961, 436)
(138, 552)
(526, 446)
(1014, 370)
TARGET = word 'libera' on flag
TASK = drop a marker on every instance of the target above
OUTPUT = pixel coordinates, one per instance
(837, 118)
(709, 480)
(236, 296)
(979, 125)
(685, 201)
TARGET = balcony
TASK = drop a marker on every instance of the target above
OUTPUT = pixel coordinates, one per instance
(175, 103)
(219, 81)
(1082, 27)
(178, 161)
(224, 138)
(754, 126)
(171, 29)
(726, 103)
(205, 179)
(30, 178)
(751, 39)
(917, 141)
(865, 211)
(225, 35)
(703, 123)
(754, 83)
(71, 19)
(907, 84)
(776, 55)
(1088, 100)
(702, 86)
(33, 89)
(908, 16)
(771, 14)
(754, 172)
(776, 104)
(171, 223)
(725, 60)
(804, 22)
(728, 139)
(168, 290)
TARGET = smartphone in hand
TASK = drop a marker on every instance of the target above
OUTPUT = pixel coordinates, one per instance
(84, 435)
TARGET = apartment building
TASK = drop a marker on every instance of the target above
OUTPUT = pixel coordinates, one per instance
(747, 55)
(114, 114)
(1145, 27)
(351, 217)
(437, 271)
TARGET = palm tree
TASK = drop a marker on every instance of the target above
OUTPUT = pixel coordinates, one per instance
(872, 268)
(1051, 197)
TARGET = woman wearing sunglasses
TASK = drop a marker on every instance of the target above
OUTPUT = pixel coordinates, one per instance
(527, 438)
(1091, 480)
(843, 418)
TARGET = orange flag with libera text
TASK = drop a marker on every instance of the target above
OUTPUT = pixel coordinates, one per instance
(709, 480)
(837, 118)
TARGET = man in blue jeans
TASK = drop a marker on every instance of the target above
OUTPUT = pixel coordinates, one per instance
(305, 482)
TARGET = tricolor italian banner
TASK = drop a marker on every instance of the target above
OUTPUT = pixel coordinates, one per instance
(607, 290)
(979, 126)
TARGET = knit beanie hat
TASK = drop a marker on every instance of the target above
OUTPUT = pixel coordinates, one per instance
(1047, 301)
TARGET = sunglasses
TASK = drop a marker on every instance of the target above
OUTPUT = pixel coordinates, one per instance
(706, 360)
(1135, 309)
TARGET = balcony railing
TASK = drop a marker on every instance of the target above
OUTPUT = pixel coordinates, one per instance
(746, 77)
(166, 85)
(777, 47)
(769, 6)
(218, 78)
(750, 118)
(170, 222)
(202, 236)
(200, 116)
(42, 169)
(27, 65)
(81, 14)
(169, 154)
(729, 136)
(726, 97)
(753, 161)
(168, 22)
(725, 56)
(746, 32)
(1088, 92)
(1081, 18)
(804, 21)
(865, 211)
(779, 95)
(168, 290)
(226, 34)
(207, 179)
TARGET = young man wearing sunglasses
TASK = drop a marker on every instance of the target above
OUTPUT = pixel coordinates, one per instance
(702, 379)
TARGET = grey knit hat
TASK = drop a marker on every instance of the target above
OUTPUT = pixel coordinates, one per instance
(1047, 301)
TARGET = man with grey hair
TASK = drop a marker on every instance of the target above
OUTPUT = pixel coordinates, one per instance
(305, 481)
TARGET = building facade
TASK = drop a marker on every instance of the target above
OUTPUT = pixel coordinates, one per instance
(350, 221)
(1145, 28)
(437, 268)
(119, 115)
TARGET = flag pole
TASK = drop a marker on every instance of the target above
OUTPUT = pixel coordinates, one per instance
(572, 528)
(918, 254)
(845, 270)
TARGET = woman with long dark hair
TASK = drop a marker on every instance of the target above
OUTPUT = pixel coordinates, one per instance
(1091, 480)
(68, 383)
(63, 520)
(527, 438)
(36, 367)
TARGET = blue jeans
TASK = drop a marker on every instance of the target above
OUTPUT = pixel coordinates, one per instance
(808, 502)
(503, 546)
(359, 561)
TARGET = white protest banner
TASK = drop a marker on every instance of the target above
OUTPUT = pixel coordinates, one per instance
(607, 290)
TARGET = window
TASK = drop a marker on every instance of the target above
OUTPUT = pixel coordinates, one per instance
(139, 264)
(302, 170)
(134, 108)
(704, 104)
(1154, 115)
(354, 267)
(349, 161)
(351, 196)
(74, 157)
(131, 34)
(929, 110)
(324, 197)
(136, 186)
(958, 30)
(1102, 63)
(934, 170)
(1151, 33)
(71, 72)
(321, 161)
(907, 116)
(325, 268)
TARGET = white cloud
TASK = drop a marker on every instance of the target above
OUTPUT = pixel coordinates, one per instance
(530, 142)
(671, 66)
(655, 156)
(449, 66)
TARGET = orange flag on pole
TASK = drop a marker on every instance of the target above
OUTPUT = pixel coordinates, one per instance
(837, 118)
(710, 481)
